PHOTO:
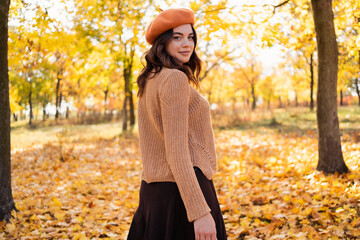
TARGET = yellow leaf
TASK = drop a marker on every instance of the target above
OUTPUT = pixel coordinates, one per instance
(10, 227)
(306, 212)
(286, 198)
(76, 228)
(60, 216)
(80, 219)
(79, 236)
(300, 201)
(295, 210)
(33, 217)
(317, 197)
(56, 202)
(257, 221)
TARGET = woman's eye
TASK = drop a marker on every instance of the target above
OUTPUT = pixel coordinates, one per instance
(177, 38)
(191, 37)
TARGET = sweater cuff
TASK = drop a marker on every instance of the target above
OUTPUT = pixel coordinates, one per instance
(192, 216)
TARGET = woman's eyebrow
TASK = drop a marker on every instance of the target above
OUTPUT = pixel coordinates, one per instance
(182, 33)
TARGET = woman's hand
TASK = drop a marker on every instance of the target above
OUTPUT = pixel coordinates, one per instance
(205, 228)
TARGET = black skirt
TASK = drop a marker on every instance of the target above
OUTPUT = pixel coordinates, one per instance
(161, 214)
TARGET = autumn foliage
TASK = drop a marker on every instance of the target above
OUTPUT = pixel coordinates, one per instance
(81, 58)
(266, 182)
(82, 181)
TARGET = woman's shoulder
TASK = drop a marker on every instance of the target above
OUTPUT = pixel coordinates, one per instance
(171, 72)
(173, 82)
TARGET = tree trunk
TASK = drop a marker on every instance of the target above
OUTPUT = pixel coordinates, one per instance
(128, 64)
(132, 110)
(296, 100)
(7, 203)
(30, 104)
(357, 89)
(60, 99)
(280, 103)
(78, 100)
(357, 83)
(341, 98)
(67, 114)
(311, 82)
(57, 96)
(44, 111)
(124, 111)
(253, 105)
(330, 155)
(105, 99)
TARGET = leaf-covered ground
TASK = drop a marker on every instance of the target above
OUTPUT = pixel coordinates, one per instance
(266, 182)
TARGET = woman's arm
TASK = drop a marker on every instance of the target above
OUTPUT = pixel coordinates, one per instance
(174, 96)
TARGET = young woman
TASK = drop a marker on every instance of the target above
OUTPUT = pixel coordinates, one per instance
(177, 195)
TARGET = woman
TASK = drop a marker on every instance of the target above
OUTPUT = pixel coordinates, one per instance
(177, 196)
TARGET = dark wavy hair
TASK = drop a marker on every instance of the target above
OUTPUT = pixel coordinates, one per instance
(157, 57)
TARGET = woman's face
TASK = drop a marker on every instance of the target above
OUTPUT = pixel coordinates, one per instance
(181, 44)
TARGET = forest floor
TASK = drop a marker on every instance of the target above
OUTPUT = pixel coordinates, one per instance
(82, 182)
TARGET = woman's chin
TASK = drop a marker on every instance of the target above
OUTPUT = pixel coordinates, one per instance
(181, 61)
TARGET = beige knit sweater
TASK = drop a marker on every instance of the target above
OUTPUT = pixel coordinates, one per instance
(175, 135)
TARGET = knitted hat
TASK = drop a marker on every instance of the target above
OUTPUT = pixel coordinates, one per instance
(167, 20)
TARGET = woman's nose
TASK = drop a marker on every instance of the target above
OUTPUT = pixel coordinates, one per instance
(186, 42)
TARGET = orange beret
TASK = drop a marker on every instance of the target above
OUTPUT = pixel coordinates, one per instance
(167, 20)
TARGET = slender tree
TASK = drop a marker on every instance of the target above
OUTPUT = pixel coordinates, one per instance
(357, 83)
(128, 62)
(311, 82)
(6, 199)
(330, 155)
(252, 74)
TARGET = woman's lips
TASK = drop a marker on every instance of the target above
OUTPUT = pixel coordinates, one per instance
(185, 53)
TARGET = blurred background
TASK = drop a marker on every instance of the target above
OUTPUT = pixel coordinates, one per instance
(75, 158)
(78, 60)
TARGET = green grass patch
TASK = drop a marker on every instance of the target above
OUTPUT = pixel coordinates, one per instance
(23, 135)
(289, 120)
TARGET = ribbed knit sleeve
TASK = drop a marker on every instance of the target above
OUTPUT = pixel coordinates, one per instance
(174, 96)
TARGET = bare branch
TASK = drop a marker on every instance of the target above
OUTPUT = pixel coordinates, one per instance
(223, 58)
(281, 4)
(247, 6)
